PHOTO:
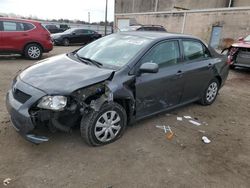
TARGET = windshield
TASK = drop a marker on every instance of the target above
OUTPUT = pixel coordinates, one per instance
(247, 38)
(114, 51)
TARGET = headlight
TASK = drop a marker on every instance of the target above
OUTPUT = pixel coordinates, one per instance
(53, 102)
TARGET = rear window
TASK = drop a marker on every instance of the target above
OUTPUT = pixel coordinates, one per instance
(194, 50)
(28, 26)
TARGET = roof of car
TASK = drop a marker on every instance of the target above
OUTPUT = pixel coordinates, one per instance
(18, 19)
(154, 35)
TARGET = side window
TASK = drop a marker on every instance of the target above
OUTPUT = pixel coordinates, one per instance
(1, 26)
(87, 32)
(194, 50)
(164, 54)
(10, 26)
(78, 31)
(27, 26)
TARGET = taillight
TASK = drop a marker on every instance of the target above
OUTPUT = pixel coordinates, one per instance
(229, 60)
(233, 51)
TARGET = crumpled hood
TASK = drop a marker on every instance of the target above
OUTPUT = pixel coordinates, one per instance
(62, 75)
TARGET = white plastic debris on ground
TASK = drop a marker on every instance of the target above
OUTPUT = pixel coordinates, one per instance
(205, 140)
(179, 118)
(195, 122)
(6, 181)
(187, 117)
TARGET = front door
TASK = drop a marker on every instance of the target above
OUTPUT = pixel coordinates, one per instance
(156, 92)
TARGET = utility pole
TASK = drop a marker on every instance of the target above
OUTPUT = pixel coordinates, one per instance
(89, 17)
(106, 13)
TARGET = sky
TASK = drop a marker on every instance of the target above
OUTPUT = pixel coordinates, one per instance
(56, 9)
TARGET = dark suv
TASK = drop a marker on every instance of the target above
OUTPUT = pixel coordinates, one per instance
(112, 82)
(26, 37)
(145, 28)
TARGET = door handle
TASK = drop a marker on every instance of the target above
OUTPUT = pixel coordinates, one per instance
(179, 73)
(25, 34)
(210, 65)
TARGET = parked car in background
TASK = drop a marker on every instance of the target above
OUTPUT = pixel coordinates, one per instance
(75, 35)
(144, 28)
(26, 37)
(53, 28)
(64, 26)
(112, 82)
(239, 53)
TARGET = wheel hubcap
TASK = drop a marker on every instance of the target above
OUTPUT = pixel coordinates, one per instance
(212, 91)
(66, 42)
(34, 52)
(107, 126)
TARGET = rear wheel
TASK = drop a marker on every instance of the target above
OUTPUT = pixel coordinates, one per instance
(232, 66)
(66, 42)
(33, 51)
(104, 126)
(210, 93)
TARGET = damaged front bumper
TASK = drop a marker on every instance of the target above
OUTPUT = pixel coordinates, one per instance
(18, 103)
(27, 117)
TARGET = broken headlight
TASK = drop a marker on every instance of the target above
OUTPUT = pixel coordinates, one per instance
(53, 102)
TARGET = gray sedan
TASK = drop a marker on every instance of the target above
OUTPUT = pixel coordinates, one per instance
(112, 82)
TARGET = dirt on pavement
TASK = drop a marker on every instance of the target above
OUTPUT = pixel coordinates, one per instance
(143, 157)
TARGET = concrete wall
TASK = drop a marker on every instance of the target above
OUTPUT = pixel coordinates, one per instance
(234, 23)
(191, 4)
(130, 6)
(241, 3)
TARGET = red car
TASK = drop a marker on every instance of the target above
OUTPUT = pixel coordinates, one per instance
(239, 53)
(26, 37)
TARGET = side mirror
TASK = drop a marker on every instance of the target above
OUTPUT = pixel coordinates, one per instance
(149, 68)
(73, 33)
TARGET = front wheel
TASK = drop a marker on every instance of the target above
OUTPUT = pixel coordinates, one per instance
(210, 93)
(104, 126)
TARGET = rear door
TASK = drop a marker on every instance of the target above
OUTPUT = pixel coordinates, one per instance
(87, 36)
(158, 91)
(198, 68)
(75, 36)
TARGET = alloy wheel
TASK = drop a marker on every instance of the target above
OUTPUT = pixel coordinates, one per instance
(107, 126)
(212, 91)
(34, 52)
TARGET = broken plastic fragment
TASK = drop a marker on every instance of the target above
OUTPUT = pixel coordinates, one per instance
(194, 122)
(187, 117)
(201, 131)
(179, 118)
(205, 140)
(6, 181)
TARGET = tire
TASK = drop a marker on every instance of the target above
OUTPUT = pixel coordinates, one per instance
(65, 42)
(96, 131)
(33, 51)
(232, 66)
(210, 93)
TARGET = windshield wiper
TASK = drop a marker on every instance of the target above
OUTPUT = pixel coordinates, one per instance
(82, 60)
(98, 64)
